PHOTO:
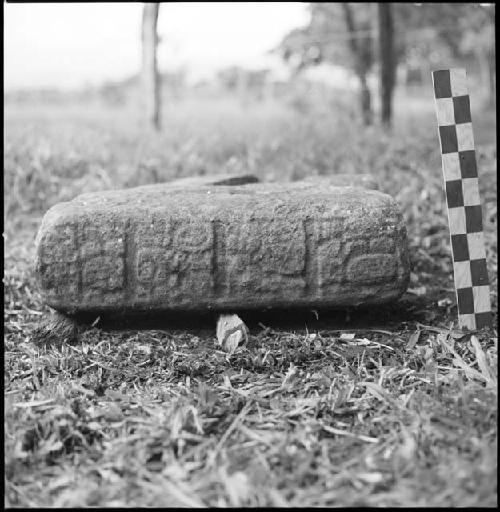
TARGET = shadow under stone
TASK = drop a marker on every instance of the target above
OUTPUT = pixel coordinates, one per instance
(408, 309)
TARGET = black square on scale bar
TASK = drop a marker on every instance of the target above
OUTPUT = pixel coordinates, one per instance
(483, 319)
(465, 301)
(473, 219)
(461, 107)
(454, 193)
(448, 137)
(468, 166)
(460, 247)
(442, 85)
(479, 272)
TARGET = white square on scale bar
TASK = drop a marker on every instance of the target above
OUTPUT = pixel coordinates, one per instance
(458, 82)
(461, 271)
(445, 111)
(475, 241)
(465, 137)
(456, 216)
(451, 166)
(470, 189)
(481, 299)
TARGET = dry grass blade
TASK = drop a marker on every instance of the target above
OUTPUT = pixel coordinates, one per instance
(482, 362)
(413, 340)
(239, 417)
(237, 486)
(33, 403)
(379, 392)
(470, 372)
(277, 498)
(252, 434)
(339, 432)
(177, 490)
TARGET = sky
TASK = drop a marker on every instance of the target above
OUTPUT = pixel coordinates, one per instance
(76, 44)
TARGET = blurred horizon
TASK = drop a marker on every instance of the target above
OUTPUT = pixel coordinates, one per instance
(240, 59)
(48, 45)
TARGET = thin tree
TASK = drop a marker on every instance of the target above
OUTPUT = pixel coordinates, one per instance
(387, 60)
(150, 76)
(361, 50)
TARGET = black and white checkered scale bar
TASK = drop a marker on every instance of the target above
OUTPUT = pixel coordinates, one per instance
(462, 196)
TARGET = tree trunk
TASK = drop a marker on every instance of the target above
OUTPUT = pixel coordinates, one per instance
(361, 54)
(487, 74)
(387, 61)
(491, 80)
(365, 101)
(482, 61)
(150, 77)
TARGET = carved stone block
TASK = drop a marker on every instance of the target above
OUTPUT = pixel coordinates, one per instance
(159, 248)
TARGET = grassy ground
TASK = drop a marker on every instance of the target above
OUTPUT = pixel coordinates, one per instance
(388, 407)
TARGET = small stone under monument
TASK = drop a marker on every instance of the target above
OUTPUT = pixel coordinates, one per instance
(198, 247)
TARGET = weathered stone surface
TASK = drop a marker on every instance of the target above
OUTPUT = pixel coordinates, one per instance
(157, 248)
(346, 180)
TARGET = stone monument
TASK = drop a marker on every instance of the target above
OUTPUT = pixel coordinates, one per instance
(207, 245)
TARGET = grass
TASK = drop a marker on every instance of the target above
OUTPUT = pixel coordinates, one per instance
(402, 413)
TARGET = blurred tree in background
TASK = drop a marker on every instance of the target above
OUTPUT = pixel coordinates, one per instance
(358, 19)
(479, 42)
(430, 34)
(415, 37)
(340, 33)
(150, 75)
(387, 59)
